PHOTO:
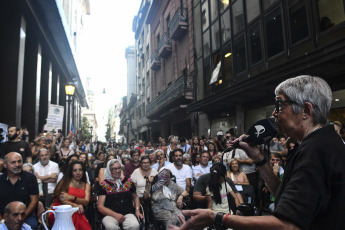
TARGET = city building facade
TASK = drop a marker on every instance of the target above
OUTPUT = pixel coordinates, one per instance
(245, 48)
(39, 43)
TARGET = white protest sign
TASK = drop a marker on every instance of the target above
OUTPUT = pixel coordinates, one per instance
(55, 118)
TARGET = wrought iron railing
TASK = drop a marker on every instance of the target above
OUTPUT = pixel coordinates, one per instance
(170, 94)
(164, 41)
(177, 19)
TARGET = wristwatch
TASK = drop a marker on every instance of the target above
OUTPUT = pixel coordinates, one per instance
(218, 219)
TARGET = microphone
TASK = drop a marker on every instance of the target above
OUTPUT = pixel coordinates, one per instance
(261, 132)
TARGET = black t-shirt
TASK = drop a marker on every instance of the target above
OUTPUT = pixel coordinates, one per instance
(20, 147)
(312, 193)
(25, 186)
(120, 199)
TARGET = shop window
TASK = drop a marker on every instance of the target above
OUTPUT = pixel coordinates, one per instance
(253, 9)
(255, 43)
(206, 43)
(215, 36)
(330, 13)
(204, 16)
(225, 26)
(298, 20)
(237, 16)
(240, 54)
(274, 32)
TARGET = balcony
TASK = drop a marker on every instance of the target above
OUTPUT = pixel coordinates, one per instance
(155, 61)
(178, 25)
(164, 46)
(178, 93)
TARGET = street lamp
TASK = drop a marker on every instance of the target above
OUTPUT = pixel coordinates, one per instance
(69, 89)
(91, 128)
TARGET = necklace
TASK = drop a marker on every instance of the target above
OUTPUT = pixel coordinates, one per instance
(313, 130)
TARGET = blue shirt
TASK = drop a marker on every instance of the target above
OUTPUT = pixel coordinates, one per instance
(155, 166)
(24, 227)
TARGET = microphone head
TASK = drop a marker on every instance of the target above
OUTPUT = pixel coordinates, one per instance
(261, 132)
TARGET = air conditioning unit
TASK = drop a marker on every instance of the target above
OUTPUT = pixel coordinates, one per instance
(138, 97)
(141, 93)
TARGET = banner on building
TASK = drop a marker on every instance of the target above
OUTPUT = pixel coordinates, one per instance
(55, 118)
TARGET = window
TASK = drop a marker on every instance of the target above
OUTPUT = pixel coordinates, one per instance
(240, 54)
(207, 74)
(215, 36)
(330, 14)
(225, 26)
(206, 43)
(255, 43)
(274, 32)
(237, 16)
(228, 71)
(223, 5)
(253, 9)
(298, 20)
(214, 10)
(269, 3)
(204, 16)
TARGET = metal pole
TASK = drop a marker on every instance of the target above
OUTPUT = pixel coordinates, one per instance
(68, 115)
(73, 114)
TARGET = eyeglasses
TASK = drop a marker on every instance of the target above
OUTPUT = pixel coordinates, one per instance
(278, 103)
(115, 169)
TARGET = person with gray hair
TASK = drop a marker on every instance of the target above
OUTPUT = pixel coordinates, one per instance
(14, 214)
(47, 172)
(311, 193)
(116, 197)
(161, 160)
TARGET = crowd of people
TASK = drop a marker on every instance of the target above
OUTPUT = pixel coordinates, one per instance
(147, 184)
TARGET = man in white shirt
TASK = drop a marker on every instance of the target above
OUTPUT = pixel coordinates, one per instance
(203, 167)
(14, 217)
(47, 171)
(182, 172)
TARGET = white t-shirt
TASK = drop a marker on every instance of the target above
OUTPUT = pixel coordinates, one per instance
(224, 206)
(49, 169)
(181, 175)
(140, 181)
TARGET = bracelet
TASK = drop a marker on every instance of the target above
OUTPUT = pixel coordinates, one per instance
(225, 218)
(261, 163)
(218, 219)
(75, 198)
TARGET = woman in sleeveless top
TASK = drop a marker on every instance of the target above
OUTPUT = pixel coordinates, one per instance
(235, 175)
(75, 191)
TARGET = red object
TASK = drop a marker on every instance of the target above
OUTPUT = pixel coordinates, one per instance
(225, 218)
(79, 220)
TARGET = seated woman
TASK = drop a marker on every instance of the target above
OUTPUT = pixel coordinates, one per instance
(140, 177)
(239, 178)
(116, 197)
(75, 191)
(166, 199)
(217, 191)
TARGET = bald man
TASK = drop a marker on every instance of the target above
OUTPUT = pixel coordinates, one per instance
(14, 214)
(18, 185)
